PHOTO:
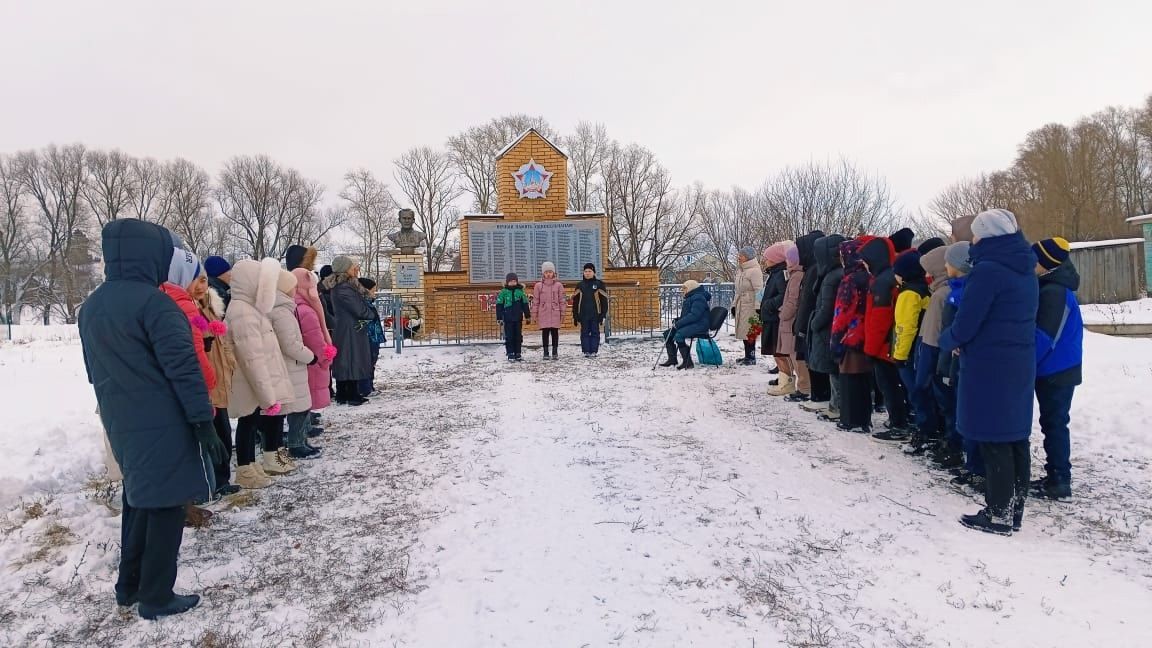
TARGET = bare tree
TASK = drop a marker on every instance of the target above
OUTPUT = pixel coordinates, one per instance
(473, 154)
(147, 177)
(184, 206)
(270, 207)
(20, 260)
(586, 149)
(425, 177)
(54, 179)
(728, 223)
(371, 216)
(109, 189)
(651, 224)
(829, 197)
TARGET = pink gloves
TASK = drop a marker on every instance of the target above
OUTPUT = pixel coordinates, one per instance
(200, 323)
(217, 328)
(272, 411)
(329, 352)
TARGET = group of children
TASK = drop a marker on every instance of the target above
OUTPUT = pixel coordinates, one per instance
(951, 341)
(547, 306)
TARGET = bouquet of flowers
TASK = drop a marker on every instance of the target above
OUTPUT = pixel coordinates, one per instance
(755, 327)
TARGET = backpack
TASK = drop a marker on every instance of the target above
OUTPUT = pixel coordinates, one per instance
(708, 353)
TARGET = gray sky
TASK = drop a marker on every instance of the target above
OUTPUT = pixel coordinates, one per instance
(724, 92)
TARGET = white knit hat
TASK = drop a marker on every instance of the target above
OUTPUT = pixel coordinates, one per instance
(547, 266)
(184, 268)
(691, 285)
(994, 222)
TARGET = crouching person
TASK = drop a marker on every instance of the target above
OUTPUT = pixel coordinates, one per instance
(154, 406)
(692, 323)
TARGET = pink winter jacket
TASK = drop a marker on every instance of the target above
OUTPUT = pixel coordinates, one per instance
(549, 303)
(312, 330)
(306, 283)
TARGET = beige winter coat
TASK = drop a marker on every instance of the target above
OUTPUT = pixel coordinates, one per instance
(220, 355)
(749, 282)
(261, 378)
(296, 355)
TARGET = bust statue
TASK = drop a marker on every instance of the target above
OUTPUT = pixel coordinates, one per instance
(408, 238)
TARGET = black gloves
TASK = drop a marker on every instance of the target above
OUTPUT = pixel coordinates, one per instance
(208, 344)
(315, 359)
(206, 435)
(733, 312)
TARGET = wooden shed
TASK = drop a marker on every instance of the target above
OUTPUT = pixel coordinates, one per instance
(1110, 271)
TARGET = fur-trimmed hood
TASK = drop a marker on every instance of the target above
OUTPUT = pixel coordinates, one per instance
(337, 279)
(254, 283)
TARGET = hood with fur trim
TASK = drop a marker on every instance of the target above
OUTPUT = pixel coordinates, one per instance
(254, 283)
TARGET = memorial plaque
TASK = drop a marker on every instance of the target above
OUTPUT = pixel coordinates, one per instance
(407, 275)
(495, 249)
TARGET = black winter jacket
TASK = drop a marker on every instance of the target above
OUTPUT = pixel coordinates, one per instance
(829, 274)
(775, 283)
(589, 301)
(140, 359)
(806, 248)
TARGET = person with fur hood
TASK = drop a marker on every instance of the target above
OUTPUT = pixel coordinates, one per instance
(301, 262)
(786, 342)
(223, 362)
(319, 374)
(297, 359)
(548, 305)
(261, 384)
(749, 283)
(353, 361)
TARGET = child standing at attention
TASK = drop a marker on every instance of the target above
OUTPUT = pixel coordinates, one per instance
(511, 311)
(589, 308)
(548, 304)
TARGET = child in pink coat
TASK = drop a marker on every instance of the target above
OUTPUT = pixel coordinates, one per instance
(548, 305)
(319, 375)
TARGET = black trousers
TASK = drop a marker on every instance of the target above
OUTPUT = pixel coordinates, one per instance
(1007, 468)
(246, 427)
(224, 431)
(513, 338)
(888, 380)
(821, 386)
(550, 335)
(856, 400)
(149, 546)
(272, 432)
(749, 350)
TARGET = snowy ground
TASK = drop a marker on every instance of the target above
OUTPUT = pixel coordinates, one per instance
(1129, 312)
(586, 503)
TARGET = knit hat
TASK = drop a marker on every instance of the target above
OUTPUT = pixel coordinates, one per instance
(994, 222)
(1051, 252)
(907, 266)
(286, 283)
(368, 284)
(957, 256)
(777, 253)
(216, 266)
(547, 266)
(184, 268)
(929, 245)
(902, 239)
(690, 285)
(511, 276)
(748, 252)
(962, 229)
(326, 272)
(296, 256)
(590, 266)
(342, 265)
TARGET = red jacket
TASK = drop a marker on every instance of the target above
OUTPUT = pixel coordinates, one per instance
(197, 324)
(879, 253)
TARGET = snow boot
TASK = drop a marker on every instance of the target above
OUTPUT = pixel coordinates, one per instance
(892, 435)
(814, 406)
(178, 605)
(248, 477)
(547, 354)
(274, 464)
(786, 386)
(304, 452)
(986, 522)
(829, 415)
(854, 429)
(686, 353)
(797, 397)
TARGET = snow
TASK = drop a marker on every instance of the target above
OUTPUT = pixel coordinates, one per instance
(1130, 312)
(588, 503)
(1082, 245)
(511, 145)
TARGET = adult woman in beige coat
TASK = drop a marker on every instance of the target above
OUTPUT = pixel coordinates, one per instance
(746, 304)
(260, 384)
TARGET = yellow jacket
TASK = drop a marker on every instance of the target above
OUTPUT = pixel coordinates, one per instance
(910, 304)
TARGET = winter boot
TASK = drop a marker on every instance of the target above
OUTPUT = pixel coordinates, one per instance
(286, 457)
(671, 361)
(829, 415)
(988, 523)
(685, 353)
(178, 605)
(555, 352)
(304, 452)
(854, 429)
(250, 477)
(547, 354)
(814, 407)
(315, 432)
(774, 370)
(196, 517)
(273, 464)
(1048, 488)
(892, 435)
(797, 397)
(785, 387)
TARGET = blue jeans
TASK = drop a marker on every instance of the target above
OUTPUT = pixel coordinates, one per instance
(298, 426)
(590, 336)
(1055, 407)
(920, 381)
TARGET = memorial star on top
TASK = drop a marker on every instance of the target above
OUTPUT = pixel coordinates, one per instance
(532, 180)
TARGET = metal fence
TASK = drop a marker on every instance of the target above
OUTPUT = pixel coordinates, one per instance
(469, 316)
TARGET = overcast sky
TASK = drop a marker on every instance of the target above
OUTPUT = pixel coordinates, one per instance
(724, 92)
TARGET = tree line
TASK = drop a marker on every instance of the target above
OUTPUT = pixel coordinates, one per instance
(1078, 181)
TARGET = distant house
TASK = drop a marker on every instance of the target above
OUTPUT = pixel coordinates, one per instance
(704, 268)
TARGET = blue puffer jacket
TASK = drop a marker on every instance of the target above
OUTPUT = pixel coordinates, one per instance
(693, 321)
(995, 330)
(1059, 328)
(139, 356)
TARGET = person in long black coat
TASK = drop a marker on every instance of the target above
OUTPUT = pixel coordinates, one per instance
(829, 273)
(154, 405)
(775, 283)
(805, 248)
(353, 361)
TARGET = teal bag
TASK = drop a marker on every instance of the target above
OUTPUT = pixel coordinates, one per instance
(708, 353)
